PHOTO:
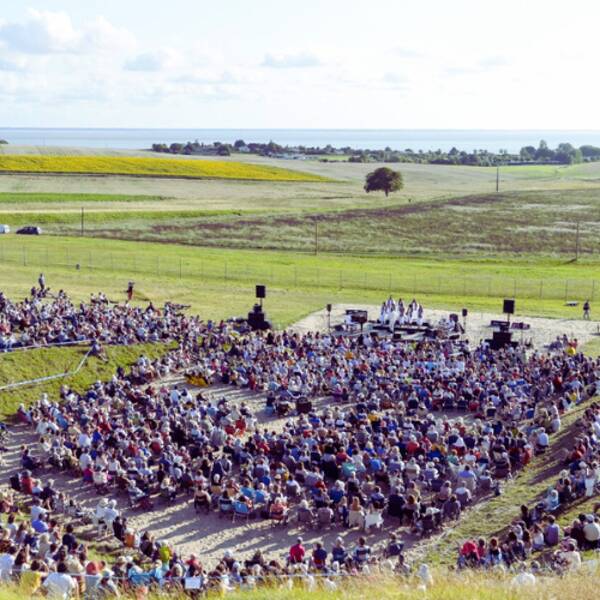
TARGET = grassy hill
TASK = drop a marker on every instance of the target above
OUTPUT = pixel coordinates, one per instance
(20, 366)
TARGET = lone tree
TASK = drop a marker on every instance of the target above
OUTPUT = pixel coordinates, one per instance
(383, 179)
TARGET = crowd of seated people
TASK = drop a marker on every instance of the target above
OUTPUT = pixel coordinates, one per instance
(41, 551)
(42, 320)
(377, 451)
(382, 455)
(536, 530)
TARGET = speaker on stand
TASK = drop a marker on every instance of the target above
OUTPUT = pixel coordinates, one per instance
(257, 320)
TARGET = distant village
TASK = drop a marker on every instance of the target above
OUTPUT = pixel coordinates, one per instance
(563, 154)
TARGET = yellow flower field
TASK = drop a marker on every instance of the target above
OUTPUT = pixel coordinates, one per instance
(150, 167)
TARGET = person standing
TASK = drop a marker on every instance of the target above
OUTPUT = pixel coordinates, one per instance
(586, 310)
(130, 291)
(42, 282)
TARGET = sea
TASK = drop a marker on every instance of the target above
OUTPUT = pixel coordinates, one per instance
(372, 139)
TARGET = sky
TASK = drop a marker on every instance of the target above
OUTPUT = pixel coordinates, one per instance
(384, 64)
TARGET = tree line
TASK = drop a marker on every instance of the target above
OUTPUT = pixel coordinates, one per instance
(563, 154)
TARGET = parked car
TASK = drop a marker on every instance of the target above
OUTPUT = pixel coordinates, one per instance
(30, 230)
(4, 229)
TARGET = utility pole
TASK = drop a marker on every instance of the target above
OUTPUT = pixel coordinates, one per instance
(82, 222)
(497, 178)
(577, 242)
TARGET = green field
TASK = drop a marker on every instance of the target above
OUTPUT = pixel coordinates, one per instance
(443, 211)
(512, 223)
(447, 237)
(24, 199)
(220, 283)
(149, 167)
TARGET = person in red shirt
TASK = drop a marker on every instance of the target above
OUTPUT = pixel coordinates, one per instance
(27, 483)
(297, 552)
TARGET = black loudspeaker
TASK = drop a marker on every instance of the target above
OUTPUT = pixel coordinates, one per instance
(257, 319)
(501, 339)
(465, 312)
(509, 307)
(329, 308)
(261, 291)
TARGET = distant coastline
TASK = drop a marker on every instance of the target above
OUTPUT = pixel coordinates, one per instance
(396, 139)
(542, 154)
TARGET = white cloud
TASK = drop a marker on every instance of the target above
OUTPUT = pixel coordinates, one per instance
(404, 52)
(492, 62)
(298, 60)
(47, 32)
(101, 34)
(10, 64)
(154, 61)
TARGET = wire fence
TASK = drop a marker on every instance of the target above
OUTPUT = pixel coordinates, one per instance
(353, 277)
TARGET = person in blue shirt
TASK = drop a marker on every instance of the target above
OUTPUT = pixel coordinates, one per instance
(39, 525)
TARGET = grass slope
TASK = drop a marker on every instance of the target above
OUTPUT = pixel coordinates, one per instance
(150, 167)
(22, 366)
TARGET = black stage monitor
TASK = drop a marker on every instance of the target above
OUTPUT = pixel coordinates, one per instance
(261, 291)
(465, 312)
(509, 307)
